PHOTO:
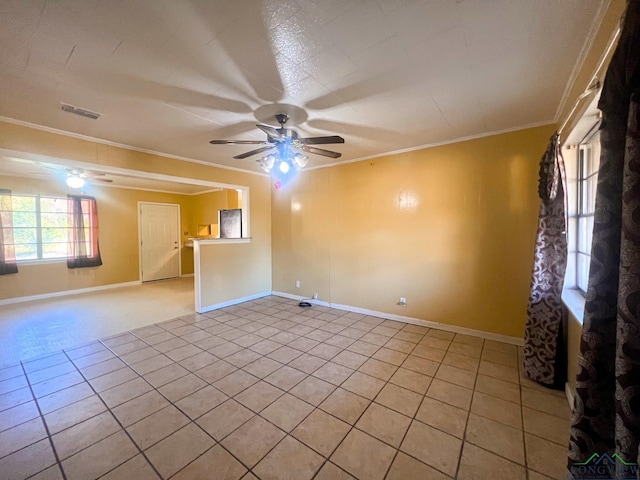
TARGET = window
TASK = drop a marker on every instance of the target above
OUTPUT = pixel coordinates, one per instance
(588, 164)
(41, 227)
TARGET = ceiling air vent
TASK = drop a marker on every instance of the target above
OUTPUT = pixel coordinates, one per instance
(80, 111)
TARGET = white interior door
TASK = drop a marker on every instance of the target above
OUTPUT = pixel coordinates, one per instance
(159, 241)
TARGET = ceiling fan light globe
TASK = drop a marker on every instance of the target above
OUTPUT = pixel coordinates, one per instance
(74, 181)
(299, 161)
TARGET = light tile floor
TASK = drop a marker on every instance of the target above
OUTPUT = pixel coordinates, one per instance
(269, 390)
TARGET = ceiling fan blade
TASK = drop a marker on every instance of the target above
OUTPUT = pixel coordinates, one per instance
(270, 131)
(253, 152)
(238, 142)
(321, 140)
(321, 151)
(105, 180)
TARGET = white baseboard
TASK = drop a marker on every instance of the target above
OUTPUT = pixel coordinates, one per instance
(414, 321)
(569, 394)
(235, 301)
(64, 293)
(187, 275)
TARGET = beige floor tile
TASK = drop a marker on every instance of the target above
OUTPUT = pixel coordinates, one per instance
(498, 388)
(449, 393)
(53, 385)
(82, 435)
(112, 379)
(546, 457)
(137, 468)
(325, 351)
(166, 375)
(363, 456)
(478, 464)
(103, 368)
(375, 339)
(333, 373)
(198, 361)
(248, 340)
(51, 473)
(497, 409)
(262, 367)
(290, 459)
(433, 342)
(399, 399)
(17, 415)
(224, 419)
(184, 352)
(226, 467)
(235, 382)
(507, 359)
(443, 416)
(151, 364)
(496, 437)
(307, 363)
(180, 388)
(546, 426)
(408, 336)
(388, 355)
(345, 405)
(253, 440)
(259, 396)
(433, 447)
(364, 385)
(331, 472)
(400, 345)
(458, 376)
(468, 340)
(376, 368)
(321, 431)
(532, 475)
(20, 436)
(350, 359)
(28, 461)
(215, 371)
(15, 398)
(363, 348)
(312, 390)
(429, 353)
(421, 365)
(180, 448)
(64, 397)
(125, 392)
(200, 402)
(406, 468)
(157, 426)
(287, 412)
(472, 351)
(434, 332)
(140, 407)
(99, 458)
(546, 402)
(411, 380)
(461, 361)
(285, 378)
(339, 341)
(499, 371)
(384, 424)
(75, 413)
(500, 347)
(242, 358)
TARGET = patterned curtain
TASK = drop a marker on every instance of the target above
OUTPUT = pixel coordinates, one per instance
(7, 249)
(544, 358)
(82, 247)
(606, 419)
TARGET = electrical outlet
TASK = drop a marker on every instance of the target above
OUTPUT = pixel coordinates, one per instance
(315, 296)
(402, 302)
(297, 283)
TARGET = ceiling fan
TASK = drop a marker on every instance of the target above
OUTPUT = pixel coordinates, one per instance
(282, 139)
(76, 177)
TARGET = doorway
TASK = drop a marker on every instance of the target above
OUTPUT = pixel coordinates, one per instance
(159, 229)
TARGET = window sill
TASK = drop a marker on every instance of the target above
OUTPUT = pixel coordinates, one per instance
(42, 262)
(574, 301)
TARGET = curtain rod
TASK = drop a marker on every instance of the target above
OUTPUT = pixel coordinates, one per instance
(593, 86)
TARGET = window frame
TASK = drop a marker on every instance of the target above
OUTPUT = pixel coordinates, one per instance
(39, 243)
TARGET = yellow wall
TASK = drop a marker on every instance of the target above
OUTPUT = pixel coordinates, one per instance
(118, 210)
(450, 228)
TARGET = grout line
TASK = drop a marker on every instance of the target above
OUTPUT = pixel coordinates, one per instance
(46, 427)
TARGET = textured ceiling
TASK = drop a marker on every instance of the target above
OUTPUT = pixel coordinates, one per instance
(387, 75)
